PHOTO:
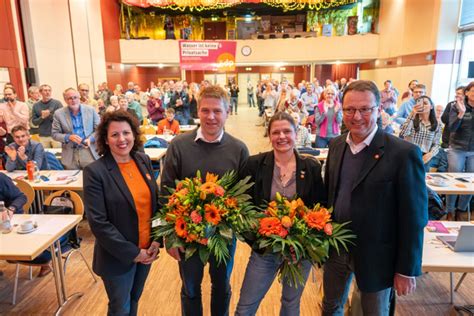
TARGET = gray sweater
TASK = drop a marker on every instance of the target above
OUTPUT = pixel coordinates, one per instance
(185, 156)
(44, 125)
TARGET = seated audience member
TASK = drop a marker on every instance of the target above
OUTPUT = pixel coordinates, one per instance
(123, 104)
(114, 104)
(386, 123)
(134, 106)
(302, 135)
(168, 123)
(388, 97)
(23, 149)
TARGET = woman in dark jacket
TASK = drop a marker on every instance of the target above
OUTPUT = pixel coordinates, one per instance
(120, 195)
(281, 170)
(461, 145)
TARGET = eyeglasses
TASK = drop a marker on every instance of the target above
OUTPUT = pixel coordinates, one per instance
(362, 111)
(84, 90)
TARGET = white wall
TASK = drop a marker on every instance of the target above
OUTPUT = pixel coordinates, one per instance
(57, 45)
(294, 50)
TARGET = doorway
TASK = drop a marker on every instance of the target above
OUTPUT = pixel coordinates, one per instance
(242, 80)
(215, 30)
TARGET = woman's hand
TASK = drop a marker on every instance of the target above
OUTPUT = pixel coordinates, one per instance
(143, 257)
(461, 108)
(427, 157)
(153, 250)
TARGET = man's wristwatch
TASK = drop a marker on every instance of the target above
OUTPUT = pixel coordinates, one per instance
(12, 209)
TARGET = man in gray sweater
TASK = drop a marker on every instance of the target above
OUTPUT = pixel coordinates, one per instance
(43, 113)
(208, 149)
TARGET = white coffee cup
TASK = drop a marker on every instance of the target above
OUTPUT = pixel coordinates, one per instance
(27, 226)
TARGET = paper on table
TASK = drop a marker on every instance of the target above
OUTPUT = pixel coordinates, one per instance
(61, 182)
(437, 227)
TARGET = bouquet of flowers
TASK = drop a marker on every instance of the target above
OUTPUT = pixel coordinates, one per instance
(298, 233)
(204, 217)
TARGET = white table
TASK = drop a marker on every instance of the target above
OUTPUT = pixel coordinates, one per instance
(14, 246)
(73, 181)
(439, 258)
(187, 128)
(156, 154)
(168, 138)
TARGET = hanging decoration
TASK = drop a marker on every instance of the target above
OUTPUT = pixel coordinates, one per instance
(200, 5)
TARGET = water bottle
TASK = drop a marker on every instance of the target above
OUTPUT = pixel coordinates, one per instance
(36, 172)
(5, 225)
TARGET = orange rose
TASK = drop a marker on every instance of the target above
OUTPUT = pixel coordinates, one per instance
(218, 190)
(180, 227)
(195, 217)
(283, 233)
(270, 226)
(286, 221)
(212, 214)
(317, 219)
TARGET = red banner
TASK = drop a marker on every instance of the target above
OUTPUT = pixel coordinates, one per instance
(207, 55)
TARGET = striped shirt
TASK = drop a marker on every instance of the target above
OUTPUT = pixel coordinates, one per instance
(427, 140)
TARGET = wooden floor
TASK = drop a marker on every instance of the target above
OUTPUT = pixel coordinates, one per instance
(162, 291)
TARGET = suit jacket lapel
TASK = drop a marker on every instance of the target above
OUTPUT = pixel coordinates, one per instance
(268, 164)
(148, 179)
(118, 179)
(300, 175)
(69, 120)
(375, 152)
(337, 154)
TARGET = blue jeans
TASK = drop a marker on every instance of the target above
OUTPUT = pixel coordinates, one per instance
(337, 277)
(192, 272)
(125, 290)
(322, 142)
(459, 161)
(259, 275)
(250, 100)
(233, 104)
(440, 161)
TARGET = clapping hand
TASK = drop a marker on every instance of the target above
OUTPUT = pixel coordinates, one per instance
(75, 139)
(461, 108)
(45, 114)
(22, 152)
(11, 152)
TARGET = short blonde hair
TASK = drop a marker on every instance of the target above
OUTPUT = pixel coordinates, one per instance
(214, 92)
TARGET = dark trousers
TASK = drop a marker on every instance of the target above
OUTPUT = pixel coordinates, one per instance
(125, 290)
(337, 277)
(192, 271)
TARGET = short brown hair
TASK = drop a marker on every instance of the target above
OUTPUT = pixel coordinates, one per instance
(362, 86)
(281, 116)
(469, 86)
(420, 86)
(103, 128)
(19, 128)
(214, 92)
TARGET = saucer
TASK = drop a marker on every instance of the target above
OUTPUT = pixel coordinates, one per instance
(438, 184)
(19, 231)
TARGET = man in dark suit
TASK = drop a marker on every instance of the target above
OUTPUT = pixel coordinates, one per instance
(377, 182)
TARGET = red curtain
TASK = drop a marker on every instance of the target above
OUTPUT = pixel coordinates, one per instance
(344, 71)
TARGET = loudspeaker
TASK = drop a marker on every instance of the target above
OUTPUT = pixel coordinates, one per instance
(30, 76)
(470, 70)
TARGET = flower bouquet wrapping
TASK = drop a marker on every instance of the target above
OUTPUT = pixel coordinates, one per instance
(297, 233)
(203, 217)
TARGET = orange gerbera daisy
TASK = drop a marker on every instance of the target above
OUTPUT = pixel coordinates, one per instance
(317, 219)
(210, 177)
(180, 227)
(212, 214)
(208, 187)
(230, 202)
(270, 226)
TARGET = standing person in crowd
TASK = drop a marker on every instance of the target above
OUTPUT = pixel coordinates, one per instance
(83, 89)
(376, 181)
(134, 106)
(14, 112)
(283, 97)
(388, 98)
(43, 112)
(180, 103)
(234, 98)
(123, 103)
(155, 106)
(130, 87)
(303, 137)
(168, 124)
(386, 123)
(104, 93)
(23, 150)
(309, 99)
(445, 116)
(3, 137)
(74, 127)
(260, 100)
(218, 153)
(33, 97)
(193, 93)
(280, 170)
(407, 95)
(270, 97)
(295, 105)
(114, 104)
(405, 109)
(422, 129)
(118, 90)
(461, 148)
(318, 90)
(250, 94)
(120, 218)
(328, 117)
